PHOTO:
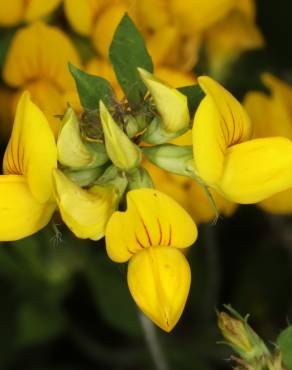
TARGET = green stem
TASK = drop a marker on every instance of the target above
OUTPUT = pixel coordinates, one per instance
(155, 349)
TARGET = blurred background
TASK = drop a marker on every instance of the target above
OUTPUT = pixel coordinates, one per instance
(66, 306)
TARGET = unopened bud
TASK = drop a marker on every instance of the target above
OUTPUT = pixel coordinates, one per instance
(172, 158)
(171, 104)
(72, 151)
(122, 151)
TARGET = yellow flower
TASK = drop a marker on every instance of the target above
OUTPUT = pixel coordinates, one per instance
(242, 170)
(150, 233)
(171, 104)
(271, 115)
(230, 37)
(37, 61)
(17, 11)
(188, 193)
(85, 212)
(26, 190)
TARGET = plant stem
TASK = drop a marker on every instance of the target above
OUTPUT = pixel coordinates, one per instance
(153, 344)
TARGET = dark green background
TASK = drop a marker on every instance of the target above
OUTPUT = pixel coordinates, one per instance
(65, 306)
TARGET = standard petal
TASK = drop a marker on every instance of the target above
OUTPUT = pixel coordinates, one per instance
(85, 212)
(31, 150)
(159, 280)
(193, 16)
(81, 14)
(12, 14)
(220, 121)
(36, 9)
(151, 219)
(20, 214)
(32, 56)
(257, 169)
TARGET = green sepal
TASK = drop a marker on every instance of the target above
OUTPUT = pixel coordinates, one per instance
(284, 342)
(91, 89)
(176, 159)
(127, 52)
(139, 178)
(84, 177)
(115, 177)
(156, 134)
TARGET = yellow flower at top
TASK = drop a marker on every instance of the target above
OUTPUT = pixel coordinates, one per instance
(150, 235)
(26, 188)
(37, 60)
(231, 36)
(172, 29)
(225, 157)
(271, 115)
(16, 11)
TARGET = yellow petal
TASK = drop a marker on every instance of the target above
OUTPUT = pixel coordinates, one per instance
(257, 169)
(163, 43)
(31, 150)
(85, 212)
(264, 112)
(12, 12)
(194, 16)
(20, 214)
(105, 27)
(32, 56)
(220, 121)
(152, 15)
(171, 104)
(71, 150)
(82, 14)
(120, 149)
(50, 100)
(151, 219)
(280, 203)
(159, 280)
(175, 77)
(230, 37)
(36, 9)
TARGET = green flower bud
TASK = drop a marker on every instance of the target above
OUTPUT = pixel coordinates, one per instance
(156, 133)
(172, 158)
(241, 337)
(84, 177)
(122, 151)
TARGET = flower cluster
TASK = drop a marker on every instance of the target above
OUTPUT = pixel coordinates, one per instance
(107, 164)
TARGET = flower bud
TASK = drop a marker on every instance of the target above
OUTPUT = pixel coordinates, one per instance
(72, 151)
(156, 133)
(171, 104)
(172, 158)
(122, 151)
(159, 280)
(85, 212)
(241, 337)
(84, 177)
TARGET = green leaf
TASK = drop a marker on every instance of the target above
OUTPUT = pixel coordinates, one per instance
(285, 343)
(91, 88)
(127, 52)
(194, 94)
